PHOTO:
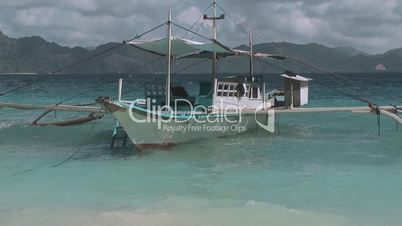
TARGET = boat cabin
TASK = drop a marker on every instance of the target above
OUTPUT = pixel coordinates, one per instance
(239, 91)
(247, 92)
(295, 89)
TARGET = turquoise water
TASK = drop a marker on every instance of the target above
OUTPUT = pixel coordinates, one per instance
(320, 169)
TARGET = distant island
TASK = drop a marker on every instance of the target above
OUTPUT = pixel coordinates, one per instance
(36, 55)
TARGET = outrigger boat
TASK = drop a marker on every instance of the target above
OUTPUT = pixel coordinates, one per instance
(224, 106)
(167, 115)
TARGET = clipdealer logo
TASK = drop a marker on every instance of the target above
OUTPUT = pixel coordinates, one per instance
(201, 119)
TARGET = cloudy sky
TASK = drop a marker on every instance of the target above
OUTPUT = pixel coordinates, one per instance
(373, 26)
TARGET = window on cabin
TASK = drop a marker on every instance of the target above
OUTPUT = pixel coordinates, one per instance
(231, 88)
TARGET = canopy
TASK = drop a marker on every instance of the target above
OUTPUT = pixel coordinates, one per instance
(234, 52)
(180, 46)
(184, 48)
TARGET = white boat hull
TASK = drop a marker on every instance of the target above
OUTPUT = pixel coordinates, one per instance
(148, 131)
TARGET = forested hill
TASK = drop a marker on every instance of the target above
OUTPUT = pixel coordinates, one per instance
(34, 54)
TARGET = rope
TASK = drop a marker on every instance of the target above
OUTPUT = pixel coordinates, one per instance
(233, 20)
(79, 62)
(86, 91)
(19, 173)
(331, 75)
(272, 65)
(191, 66)
(55, 165)
(326, 73)
(176, 72)
(80, 148)
(190, 31)
(202, 14)
(64, 68)
(199, 27)
(326, 86)
(265, 36)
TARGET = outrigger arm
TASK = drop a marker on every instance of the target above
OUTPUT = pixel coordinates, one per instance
(61, 107)
(94, 113)
(388, 111)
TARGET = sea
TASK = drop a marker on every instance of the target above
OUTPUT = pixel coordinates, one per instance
(321, 169)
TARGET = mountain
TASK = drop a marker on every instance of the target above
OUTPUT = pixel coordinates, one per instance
(315, 58)
(351, 51)
(394, 51)
(34, 54)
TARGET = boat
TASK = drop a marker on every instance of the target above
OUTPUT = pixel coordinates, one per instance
(228, 106)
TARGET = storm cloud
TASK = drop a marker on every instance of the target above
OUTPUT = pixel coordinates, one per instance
(373, 26)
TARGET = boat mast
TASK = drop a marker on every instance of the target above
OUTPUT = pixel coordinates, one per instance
(214, 31)
(169, 58)
(250, 39)
(214, 37)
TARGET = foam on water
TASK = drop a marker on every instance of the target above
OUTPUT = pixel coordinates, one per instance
(4, 125)
(184, 212)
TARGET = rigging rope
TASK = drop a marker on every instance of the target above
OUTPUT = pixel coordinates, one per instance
(272, 65)
(191, 66)
(57, 164)
(78, 62)
(202, 14)
(102, 84)
(64, 68)
(190, 31)
(273, 42)
(331, 75)
(79, 148)
(326, 86)
(199, 26)
(71, 157)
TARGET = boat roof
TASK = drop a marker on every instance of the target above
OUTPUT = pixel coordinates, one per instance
(180, 46)
(296, 77)
(185, 48)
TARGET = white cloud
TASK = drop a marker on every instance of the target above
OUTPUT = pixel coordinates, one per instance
(189, 15)
(83, 5)
(39, 17)
(370, 25)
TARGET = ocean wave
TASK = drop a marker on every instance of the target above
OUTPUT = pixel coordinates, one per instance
(190, 213)
(7, 124)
